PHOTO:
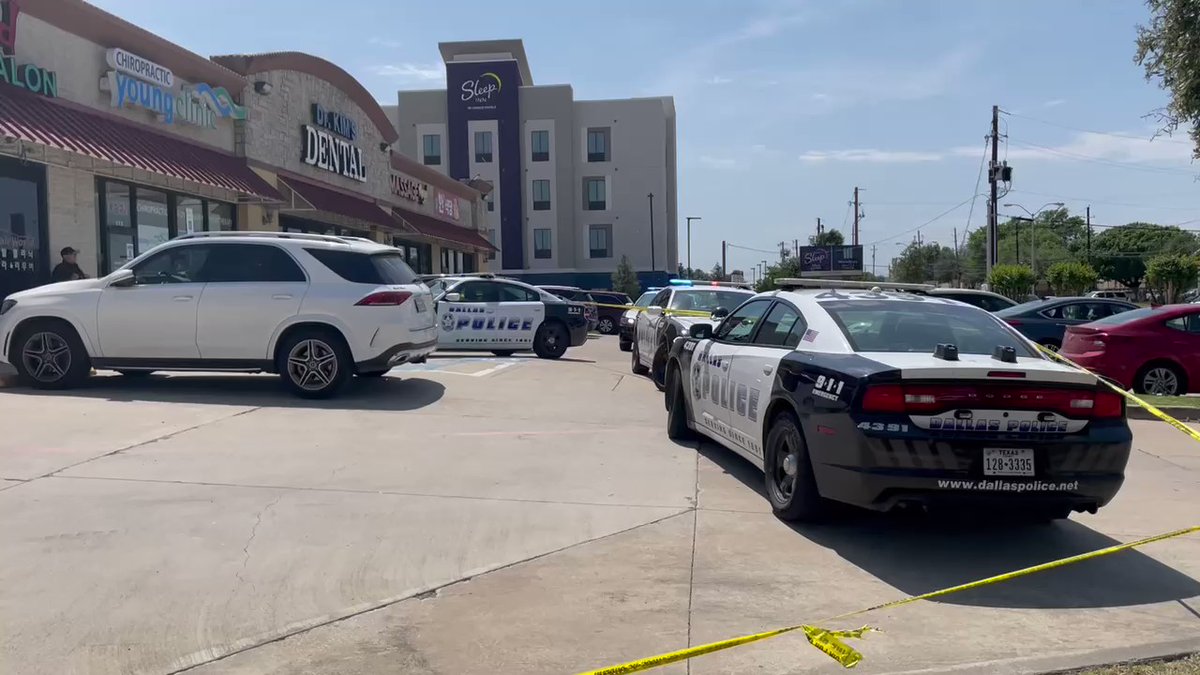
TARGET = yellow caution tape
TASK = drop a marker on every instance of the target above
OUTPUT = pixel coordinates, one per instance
(830, 642)
(676, 312)
(1153, 410)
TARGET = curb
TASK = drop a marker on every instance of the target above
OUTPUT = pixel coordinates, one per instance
(1136, 412)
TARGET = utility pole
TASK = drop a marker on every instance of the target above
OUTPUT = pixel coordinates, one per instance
(782, 251)
(689, 243)
(855, 238)
(993, 179)
(1089, 234)
(957, 269)
(724, 269)
(872, 258)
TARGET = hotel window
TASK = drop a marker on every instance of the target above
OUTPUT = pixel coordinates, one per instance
(600, 241)
(431, 150)
(134, 219)
(594, 197)
(539, 144)
(491, 200)
(541, 243)
(541, 195)
(492, 238)
(483, 147)
(597, 144)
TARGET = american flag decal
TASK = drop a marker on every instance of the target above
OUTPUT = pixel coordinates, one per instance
(810, 335)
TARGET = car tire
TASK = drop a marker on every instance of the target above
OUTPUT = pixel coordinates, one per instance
(48, 354)
(658, 367)
(790, 484)
(677, 407)
(1157, 379)
(136, 374)
(625, 346)
(606, 326)
(551, 340)
(635, 361)
(314, 363)
(503, 352)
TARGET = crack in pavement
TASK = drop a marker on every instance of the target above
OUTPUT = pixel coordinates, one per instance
(246, 547)
(422, 593)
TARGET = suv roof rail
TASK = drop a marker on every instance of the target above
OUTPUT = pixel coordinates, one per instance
(332, 239)
(786, 284)
(481, 275)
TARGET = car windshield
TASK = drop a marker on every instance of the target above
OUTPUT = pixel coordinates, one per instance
(1124, 317)
(1021, 308)
(707, 301)
(906, 326)
(645, 298)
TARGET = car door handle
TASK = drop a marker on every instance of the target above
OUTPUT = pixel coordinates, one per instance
(767, 370)
(282, 296)
(183, 298)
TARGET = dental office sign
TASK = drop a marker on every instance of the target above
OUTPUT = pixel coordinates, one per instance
(141, 83)
(327, 146)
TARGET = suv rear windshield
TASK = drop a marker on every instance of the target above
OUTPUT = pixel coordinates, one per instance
(379, 269)
(708, 301)
(903, 326)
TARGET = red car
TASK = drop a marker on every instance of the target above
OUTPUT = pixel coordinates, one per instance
(1152, 351)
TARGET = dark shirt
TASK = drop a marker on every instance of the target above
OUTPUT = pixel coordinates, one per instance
(65, 271)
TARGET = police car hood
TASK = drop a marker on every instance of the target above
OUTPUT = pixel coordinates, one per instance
(924, 366)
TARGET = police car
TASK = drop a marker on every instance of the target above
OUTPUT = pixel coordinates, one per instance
(884, 400)
(629, 317)
(672, 312)
(504, 316)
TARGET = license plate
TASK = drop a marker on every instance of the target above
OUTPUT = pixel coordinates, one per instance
(420, 303)
(1008, 462)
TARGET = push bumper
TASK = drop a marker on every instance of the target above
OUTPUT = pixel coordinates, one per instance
(409, 352)
(882, 471)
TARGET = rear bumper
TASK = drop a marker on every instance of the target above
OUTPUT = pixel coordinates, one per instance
(1119, 370)
(881, 471)
(579, 334)
(408, 352)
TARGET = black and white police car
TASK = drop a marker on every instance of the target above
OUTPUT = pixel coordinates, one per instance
(672, 312)
(503, 316)
(629, 317)
(853, 394)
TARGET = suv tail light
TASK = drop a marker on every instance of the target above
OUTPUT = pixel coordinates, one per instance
(927, 399)
(384, 299)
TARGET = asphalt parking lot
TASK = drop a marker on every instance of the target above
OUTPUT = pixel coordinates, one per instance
(513, 515)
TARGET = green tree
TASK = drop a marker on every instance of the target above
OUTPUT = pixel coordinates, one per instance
(1120, 253)
(788, 269)
(827, 238)
(1171, 275)
(1168, 48)
(1071, 278)
(625, 280)
(1013, 281)
(1054, 236)
(920, 263)
(717, 273)
(694, 274)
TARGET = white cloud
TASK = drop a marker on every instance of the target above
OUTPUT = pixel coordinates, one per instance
(720, 163)
(717, 79)
(384, 42)
(870, 155)
(1124, 148)
(1054, 103)
(412, 72)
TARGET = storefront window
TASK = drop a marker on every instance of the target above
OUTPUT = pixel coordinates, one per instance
(117, 225)
(189, 214)
(22, 254)
(220, 217)
(153, 221)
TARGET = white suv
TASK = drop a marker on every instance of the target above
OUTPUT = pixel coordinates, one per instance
(313, 308)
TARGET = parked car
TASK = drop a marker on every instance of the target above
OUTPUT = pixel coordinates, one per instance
(610, 305)
(574, 294)
(628, 325)
(992, 302)
(1045, 321)
(314, 308)
(1150, 350)
(505, 316)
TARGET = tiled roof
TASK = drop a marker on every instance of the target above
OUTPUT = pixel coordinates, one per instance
(439, 229)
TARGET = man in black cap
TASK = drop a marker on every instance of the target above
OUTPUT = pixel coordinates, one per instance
(68, 269)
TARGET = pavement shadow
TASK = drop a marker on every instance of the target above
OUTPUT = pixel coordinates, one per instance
(389, 393)
(920, 553)
(520, 356)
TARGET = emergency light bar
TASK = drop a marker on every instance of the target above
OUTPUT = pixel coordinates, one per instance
(725, 284)
(862, 285)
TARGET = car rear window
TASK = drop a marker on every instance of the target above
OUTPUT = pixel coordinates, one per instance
(1021, 308)
(708, 301)
(379, 269)
(1124, 317)
(904, 326)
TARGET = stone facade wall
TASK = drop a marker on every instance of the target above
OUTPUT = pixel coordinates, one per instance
(71, 196)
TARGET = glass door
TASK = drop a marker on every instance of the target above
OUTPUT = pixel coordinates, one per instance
(23, 239)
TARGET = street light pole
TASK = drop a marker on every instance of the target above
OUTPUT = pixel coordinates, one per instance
(652, 262)
(689, 244)
(1032, 232)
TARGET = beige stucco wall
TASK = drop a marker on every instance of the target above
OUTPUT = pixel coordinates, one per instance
(71, 196)
(273, 132)
(81, 65)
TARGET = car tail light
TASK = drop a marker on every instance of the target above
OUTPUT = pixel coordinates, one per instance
(1013, 322)
(384, 299)
(926, 399)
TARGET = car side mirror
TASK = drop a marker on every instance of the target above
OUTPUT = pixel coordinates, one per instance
(653, 310)
(452, 297)
(720, 313)
(701, 331)
(122, 279)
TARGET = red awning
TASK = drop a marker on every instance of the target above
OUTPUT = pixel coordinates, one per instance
(37, 119)
(440, 229)
(332, 201)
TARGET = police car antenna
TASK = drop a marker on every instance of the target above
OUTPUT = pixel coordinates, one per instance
(786, 284)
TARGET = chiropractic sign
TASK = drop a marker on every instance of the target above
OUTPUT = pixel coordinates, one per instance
(330, 151)
(142, 83)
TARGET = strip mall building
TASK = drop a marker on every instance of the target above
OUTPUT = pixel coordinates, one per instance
(113, 140)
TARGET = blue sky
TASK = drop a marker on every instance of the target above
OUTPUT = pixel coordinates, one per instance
(784, 106)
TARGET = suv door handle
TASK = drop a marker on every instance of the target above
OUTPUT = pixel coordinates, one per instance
(767, 370)
(282, 296)
(183, 298)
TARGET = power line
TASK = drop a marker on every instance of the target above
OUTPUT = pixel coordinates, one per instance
(1104, 162)
(757, 250)
(1106, 203)
(1091, 131)
(978, 180)
(930, 221)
